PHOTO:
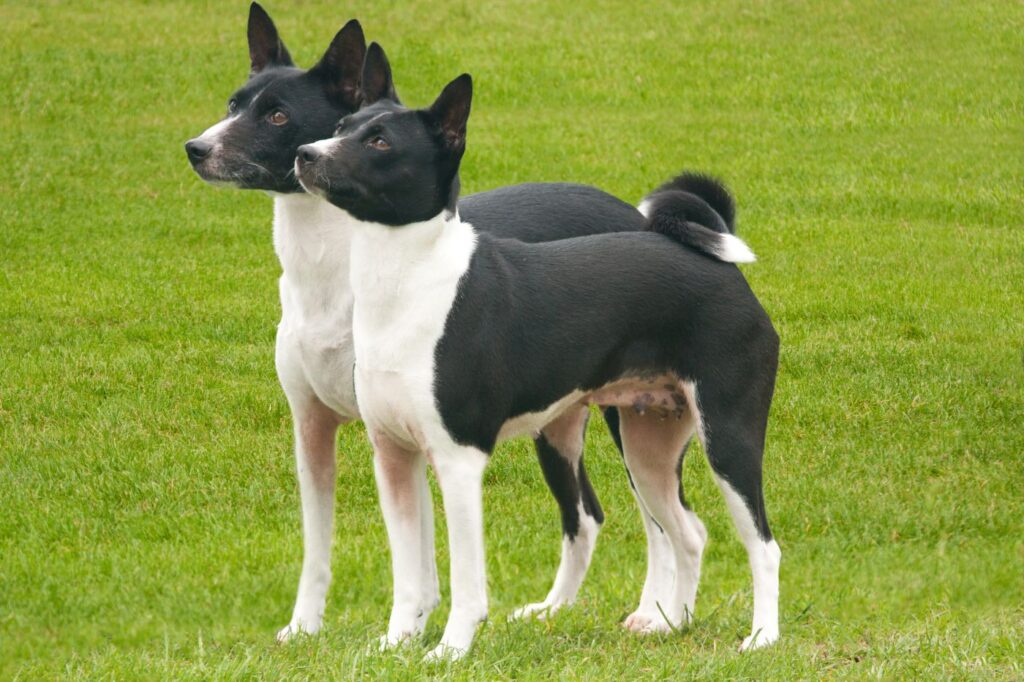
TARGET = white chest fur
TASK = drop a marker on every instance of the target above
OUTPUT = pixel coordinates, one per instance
(404, 280)
(314, 339)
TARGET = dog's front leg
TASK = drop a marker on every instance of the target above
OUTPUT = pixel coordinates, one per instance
(404, 499)
(315, 428)
(460, 473)
(428, 558)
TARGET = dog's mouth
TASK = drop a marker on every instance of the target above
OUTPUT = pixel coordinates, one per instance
(240, 173)
(311, 176)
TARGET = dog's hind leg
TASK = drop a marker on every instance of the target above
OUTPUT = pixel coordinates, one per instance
(661, 564)
(560, 451)
(734, 425)
(405, 503)
(316, 426)
(652, 447)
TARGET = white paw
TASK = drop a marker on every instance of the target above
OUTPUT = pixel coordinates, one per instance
(540, 610)
(396, 639)
(442, 652)
(646, 622)
(759, 639)
(296, 629)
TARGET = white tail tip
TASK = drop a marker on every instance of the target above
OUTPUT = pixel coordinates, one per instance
(732, 249)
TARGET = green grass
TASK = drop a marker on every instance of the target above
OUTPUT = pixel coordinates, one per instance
(149, 522)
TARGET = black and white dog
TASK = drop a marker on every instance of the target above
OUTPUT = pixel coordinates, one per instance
(281, 107)
(463, 339)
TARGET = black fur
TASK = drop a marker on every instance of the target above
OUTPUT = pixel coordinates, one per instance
(685, 218)
(568, 489)
(662, 308)
(265, 46)
(711, 191)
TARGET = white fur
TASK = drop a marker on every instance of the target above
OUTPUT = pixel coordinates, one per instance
(732, 249)
(659, 581)
(312, 239)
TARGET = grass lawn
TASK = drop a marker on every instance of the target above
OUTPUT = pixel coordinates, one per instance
(149, 518)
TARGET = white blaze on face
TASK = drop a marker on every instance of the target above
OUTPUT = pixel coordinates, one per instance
(325, 147)
(214, 133)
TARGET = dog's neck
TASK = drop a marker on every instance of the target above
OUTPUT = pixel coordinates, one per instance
(313, 241)
(404, 281)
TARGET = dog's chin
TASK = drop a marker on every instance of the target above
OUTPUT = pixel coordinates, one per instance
(308, 182)
(216, 176)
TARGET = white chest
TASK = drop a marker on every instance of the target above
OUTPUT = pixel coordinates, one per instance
(404, 280)
(315, 353)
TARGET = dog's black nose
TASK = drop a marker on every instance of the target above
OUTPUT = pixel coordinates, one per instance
(308, 153)
(197, 150)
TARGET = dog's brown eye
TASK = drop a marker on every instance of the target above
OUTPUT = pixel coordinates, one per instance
(232, 106)
(278, 118)
(379, 143)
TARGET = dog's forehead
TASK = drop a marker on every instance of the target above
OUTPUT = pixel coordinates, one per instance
(276, 81)
(383, 114)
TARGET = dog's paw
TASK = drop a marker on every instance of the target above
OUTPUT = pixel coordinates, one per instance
(442, 653)
(644, 622)
(540, 611)
(296, 629)
(393, 640)
(759, 639)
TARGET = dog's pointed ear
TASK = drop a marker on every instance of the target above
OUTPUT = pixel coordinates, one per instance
(451, 110)
(341, 67)
(377, 83)
(265, 46)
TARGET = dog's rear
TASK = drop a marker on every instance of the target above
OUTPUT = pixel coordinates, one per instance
(697, 210)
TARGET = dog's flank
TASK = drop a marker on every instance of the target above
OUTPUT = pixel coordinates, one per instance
(463, 340)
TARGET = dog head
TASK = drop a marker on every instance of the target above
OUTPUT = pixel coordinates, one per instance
(279, 108)
(387, 163)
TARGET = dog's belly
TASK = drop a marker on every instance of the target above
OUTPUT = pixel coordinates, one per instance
(664, 395)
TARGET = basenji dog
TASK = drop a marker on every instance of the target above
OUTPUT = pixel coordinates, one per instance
(464, 339)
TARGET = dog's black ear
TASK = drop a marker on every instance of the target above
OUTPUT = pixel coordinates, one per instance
(265, 46)
(341, 66)
(377, 83)
(451, 110)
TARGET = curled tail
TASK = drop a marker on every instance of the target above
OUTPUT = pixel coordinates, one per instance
(697, 210)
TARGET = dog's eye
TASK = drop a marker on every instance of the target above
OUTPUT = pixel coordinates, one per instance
(278, 118)
(378, 143)
(232, 106)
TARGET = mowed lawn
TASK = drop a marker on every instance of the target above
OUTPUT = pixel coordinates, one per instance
(149, 518)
